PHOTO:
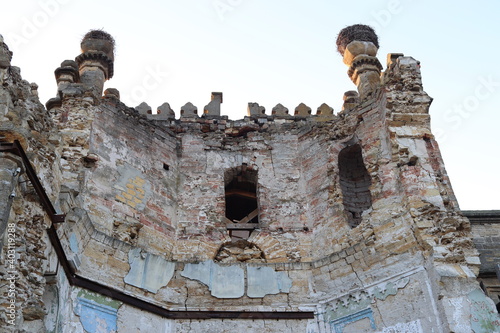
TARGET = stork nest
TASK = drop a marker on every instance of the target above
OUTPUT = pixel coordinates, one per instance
(99, 34)
(354, 32)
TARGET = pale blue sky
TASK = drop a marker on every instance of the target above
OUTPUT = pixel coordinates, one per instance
(283, 51)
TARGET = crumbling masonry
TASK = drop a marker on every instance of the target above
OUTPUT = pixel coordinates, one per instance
(114, 219)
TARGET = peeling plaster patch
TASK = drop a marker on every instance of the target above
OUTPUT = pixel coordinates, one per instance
(96, 317)
(338, 325)
(410, 327)
(131, 188)
(51, 301)
(200, 272)
(345, 306)
(390, 288)
(263, 281)
(73, 243)
(359, 300)
(484, 318)
(459, 308)
(98, 314)
(468, 272)
(148, 271)
(222, 281)
(312, 326)
(132, 320)
(449, 270)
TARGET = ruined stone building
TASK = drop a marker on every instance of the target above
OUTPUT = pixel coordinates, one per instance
(114, 219)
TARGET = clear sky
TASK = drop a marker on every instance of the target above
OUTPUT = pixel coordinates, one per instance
(283, 51)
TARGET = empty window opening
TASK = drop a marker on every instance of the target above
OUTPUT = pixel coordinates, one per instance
(166, 166)
(242, 212)
(355, 184)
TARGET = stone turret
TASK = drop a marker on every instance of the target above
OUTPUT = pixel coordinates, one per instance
(96, 61)
(358, 44)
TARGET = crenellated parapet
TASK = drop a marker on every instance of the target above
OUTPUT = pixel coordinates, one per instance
(189, 112)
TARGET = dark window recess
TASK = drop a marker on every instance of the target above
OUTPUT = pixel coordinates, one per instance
(166, 166)
(355, 184)
(242, 213)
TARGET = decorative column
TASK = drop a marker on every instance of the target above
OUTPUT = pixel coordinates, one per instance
(358, 44)
(96, 61)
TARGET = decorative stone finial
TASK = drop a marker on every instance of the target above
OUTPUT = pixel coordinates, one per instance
(358, 44)
(96, 61)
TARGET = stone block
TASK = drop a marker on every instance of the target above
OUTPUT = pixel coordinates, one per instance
(148, 271)
(223, 281)
(264, 281)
